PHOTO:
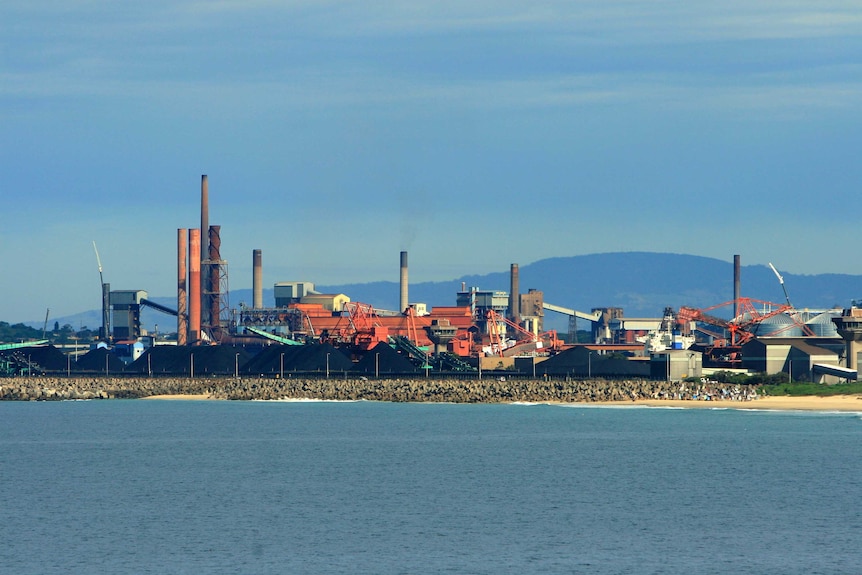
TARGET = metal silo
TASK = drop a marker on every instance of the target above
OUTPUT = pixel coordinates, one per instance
(822, 325)
(780, 325)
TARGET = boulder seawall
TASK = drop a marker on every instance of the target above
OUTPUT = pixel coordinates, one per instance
(395, 389)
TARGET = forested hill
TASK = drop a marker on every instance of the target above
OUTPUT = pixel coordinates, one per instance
(642, 283)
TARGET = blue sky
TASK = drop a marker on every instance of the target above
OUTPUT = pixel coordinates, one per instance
(473, 135)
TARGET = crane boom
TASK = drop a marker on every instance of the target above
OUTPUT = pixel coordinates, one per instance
(105, 297)
(781, 281)
(98, 260)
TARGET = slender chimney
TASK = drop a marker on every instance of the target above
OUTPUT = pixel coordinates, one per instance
(106, 312)
(205, 252)
(214, 295)
(194, 285)
(257, 279)
(403, 302)
(182, 294)
(514, 294)
(736, 284)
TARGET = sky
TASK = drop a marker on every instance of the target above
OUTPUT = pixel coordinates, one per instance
(471, 134)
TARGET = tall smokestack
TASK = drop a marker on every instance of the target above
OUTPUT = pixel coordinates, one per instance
(736, 285)
(194, 285)
(214, 295)
(205, 252)
(514, 294)
(257, 279)
(403, 302)
(182, 286)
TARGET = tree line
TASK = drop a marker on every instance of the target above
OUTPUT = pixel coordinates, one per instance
(13, 333)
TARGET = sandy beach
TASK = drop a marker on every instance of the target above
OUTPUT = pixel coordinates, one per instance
(799, 403)
(180, 396)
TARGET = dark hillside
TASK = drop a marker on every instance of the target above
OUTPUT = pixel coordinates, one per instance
(642, 283)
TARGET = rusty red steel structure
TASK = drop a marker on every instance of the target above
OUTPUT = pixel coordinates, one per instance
(194, 295)
(213, 280)
(545, 340)
(740, 328)
(358, 327)
(182, 287)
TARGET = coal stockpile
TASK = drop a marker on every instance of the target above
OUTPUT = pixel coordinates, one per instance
(204, 360)
(34, 360)
(39, 358)
(384, 360)
(317, 358)
(579, 362)
(99, 360)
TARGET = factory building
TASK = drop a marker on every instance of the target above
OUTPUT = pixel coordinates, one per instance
(330, 302)
(287, 293)
(126, 313)
(481, 302)
(804, 359)
(532, 310)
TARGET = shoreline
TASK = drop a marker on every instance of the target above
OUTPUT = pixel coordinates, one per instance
(596, 392)
(181, 397)
(842, 403)
(845, 403)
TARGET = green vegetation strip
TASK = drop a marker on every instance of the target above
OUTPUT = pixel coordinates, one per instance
(812, 389)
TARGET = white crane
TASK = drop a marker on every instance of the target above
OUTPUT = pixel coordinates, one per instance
(781, 281)
(105, 303)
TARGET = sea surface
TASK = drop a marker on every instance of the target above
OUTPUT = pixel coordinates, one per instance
(204, 487)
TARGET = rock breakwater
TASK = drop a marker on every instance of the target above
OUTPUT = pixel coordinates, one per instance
(399, 390)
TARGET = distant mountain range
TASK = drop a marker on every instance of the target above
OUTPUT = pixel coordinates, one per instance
(642, 283)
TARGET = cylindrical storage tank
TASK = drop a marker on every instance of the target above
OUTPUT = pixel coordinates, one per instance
(822, 325)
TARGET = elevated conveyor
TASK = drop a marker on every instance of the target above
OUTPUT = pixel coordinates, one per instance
(416, 354)
(159, 307)
(273, 337)
(450, 362)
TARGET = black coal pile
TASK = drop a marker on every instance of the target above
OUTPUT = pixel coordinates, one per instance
(299, 359)
(382, 359)
(579, 362)
(204, 360)
(39, 358)
(99, 360)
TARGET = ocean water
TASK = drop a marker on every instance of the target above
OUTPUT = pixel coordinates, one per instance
(307, 487)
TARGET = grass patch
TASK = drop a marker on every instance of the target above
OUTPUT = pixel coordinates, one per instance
(797, 389)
